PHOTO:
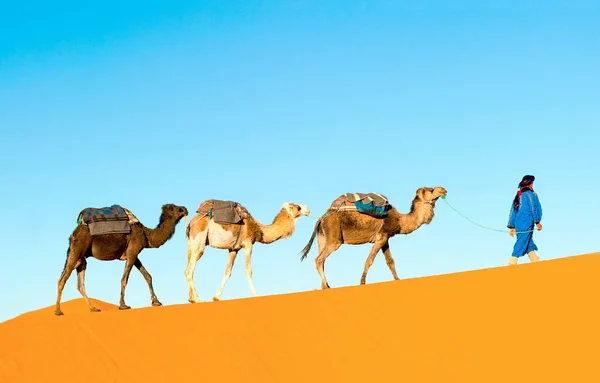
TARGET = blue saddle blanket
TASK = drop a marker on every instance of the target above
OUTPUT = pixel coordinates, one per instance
(373, 204)
(371, 209)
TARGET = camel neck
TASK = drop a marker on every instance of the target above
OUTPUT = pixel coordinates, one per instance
(420, 213)
(281, 227)
(161, 234)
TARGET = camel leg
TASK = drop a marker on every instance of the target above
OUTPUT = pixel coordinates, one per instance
(77, 247)
(128, 266)
(374, 250)
(389, 260)
(148, 278)
(81, 286)
(68, 269)
(325, 250)
(195, 251)
(248, 256)
(232, 255)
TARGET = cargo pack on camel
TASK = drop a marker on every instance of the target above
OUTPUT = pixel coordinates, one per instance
(107, 220)
(373, 204)
(226, 212)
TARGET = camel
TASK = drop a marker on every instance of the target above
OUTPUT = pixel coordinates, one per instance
(203, 230)
(115, 246)
(353, 228)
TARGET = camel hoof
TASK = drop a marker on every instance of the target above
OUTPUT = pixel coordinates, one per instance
(191, 300)
(215, 299)
(95, 310)
(156, 303)
(58, 312)
(124, 307)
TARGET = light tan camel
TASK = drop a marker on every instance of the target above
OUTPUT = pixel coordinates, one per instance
(353, 228)
(115, 246)
(203, 231)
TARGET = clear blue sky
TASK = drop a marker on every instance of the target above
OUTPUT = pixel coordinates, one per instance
(264, 102)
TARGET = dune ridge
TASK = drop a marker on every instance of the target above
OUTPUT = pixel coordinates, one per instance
(527, 323)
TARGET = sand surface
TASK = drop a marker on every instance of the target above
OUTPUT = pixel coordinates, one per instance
(528, 323)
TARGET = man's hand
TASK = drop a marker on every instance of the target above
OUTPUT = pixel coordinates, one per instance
(539, 226)
(512, 232)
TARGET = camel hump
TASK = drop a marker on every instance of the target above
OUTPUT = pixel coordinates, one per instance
(101, 214)
(227, 212)
(373, 204)
(377, 198)
(112, 219)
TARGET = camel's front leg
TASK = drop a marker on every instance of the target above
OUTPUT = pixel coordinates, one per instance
(248, 255)
(389, 260)
(128, 266)
(231, 260)
(81, 286)
(148, 278)
(379, 242)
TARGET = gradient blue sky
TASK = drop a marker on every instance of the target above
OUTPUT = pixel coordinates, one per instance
(264, 102)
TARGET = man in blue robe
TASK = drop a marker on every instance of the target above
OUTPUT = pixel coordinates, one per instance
(525, 212)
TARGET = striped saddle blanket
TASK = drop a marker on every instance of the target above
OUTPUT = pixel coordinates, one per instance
(112, 219)
(373, 204)
(227, 212)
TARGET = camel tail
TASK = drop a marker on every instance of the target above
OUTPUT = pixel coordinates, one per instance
(310, 241)
(66, 258)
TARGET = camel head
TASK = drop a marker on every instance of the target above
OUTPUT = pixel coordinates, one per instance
(431, 195)
(174, 212)
(296, 210)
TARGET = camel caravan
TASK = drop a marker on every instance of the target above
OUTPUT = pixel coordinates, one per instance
(114, 233)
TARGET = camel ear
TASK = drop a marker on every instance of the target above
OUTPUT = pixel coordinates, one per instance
(420, 193)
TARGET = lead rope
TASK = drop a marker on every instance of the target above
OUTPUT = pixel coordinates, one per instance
(480, 225)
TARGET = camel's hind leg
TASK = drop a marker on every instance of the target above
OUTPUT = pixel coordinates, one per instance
(389, 260)
(69, 266)
(131, 258)
(74, 255)
(148, 278)
(195, 249)
(325, 250)
(379, 243)
(81, 285)
(227, 274)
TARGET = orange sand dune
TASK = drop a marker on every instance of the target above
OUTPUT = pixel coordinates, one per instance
(528, 323)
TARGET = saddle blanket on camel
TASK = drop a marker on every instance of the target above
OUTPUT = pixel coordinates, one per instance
(373, 204)
(227, 212)
(112, 219)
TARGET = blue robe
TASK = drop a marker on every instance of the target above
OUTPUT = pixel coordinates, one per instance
(524, 219)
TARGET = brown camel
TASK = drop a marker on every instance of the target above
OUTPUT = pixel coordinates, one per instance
(350, 227)
(124, 247)
(203, 230)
